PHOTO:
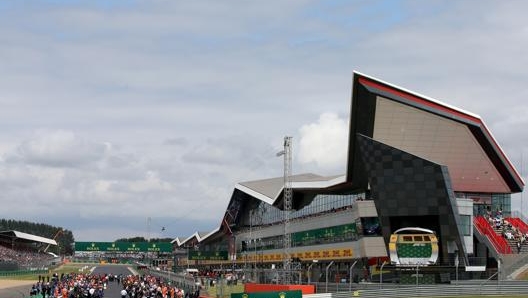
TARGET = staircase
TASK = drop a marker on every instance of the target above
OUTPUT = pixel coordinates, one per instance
(501, 243)
(518, 225)
(513, 243)
(485, 230)
(513, 262)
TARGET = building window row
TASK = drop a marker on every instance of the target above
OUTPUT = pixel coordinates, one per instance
(266, 214)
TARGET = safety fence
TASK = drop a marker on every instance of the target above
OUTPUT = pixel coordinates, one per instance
(478, 287)
(15, 273)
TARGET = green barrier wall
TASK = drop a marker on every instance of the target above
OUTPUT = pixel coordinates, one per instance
(281, 294)
(22, 272)
(410, 279)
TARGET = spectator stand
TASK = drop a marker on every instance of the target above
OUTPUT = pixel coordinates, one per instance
(20, 253)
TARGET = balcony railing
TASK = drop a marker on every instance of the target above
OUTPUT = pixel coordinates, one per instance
(499, 243)
(518, 224)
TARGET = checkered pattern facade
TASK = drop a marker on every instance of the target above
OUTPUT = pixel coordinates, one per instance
(411, 250)
(406, 187)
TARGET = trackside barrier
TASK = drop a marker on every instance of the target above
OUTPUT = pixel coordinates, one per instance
(176, 279)
(253, 288)
(22, 272)
(472, 288)
(324, 295)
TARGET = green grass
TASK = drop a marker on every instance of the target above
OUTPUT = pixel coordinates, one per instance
(67, 268)
(225, 290)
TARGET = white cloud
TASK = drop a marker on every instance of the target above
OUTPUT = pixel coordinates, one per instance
(59, 149)
(325, 143)
(150, 183)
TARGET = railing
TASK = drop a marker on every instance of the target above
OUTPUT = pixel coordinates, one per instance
(180, 280)
(22, 272)
(518, 223)
(500, 244)
(472, 289)
(520, 215)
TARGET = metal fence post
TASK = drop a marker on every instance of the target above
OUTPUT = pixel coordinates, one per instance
(381, 273)
(328, 267)
(351, 269)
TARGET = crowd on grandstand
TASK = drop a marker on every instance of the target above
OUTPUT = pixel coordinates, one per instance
(507, 230)
(23, 258)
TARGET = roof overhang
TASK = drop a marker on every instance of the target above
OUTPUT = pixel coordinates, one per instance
(432, 130)
(270, 190)
(25, 237)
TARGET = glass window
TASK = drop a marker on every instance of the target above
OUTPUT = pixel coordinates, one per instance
(501, 202)
(465, 225)
(268, 214)
(371, 226)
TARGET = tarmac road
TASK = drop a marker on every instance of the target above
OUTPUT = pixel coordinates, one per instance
(112, 291)
(15, 292)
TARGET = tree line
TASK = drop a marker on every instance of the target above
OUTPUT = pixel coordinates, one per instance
(143, 239)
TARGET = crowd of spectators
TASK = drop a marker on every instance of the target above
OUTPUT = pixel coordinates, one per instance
(24, 258)
(80, 285)
(70, 286)
(148, 286)
(507, 230)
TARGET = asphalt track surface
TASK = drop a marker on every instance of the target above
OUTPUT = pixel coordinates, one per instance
(112, 291)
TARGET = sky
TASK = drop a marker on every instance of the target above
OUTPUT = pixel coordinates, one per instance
(121, 118)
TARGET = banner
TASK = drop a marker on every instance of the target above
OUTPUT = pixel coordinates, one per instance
(208, 255)
(119, 247)
(308, 255)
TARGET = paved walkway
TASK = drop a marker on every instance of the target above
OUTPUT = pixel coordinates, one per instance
(15, 289)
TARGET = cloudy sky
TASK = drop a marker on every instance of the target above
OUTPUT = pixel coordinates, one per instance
(113, 112)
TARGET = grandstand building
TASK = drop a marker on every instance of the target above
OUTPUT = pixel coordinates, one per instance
(412, 162)
(23, 251)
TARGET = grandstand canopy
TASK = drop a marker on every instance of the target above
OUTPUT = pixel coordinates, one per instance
(270, 190)
(25, 237)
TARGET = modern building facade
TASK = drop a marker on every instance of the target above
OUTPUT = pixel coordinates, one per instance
(412, 162)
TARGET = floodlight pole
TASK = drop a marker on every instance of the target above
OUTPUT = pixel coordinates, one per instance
(287, 201)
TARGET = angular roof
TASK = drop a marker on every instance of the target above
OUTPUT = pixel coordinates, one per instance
(431, 130)
(25, 237)
(177, 241)
(199, 236)
(269, 190)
